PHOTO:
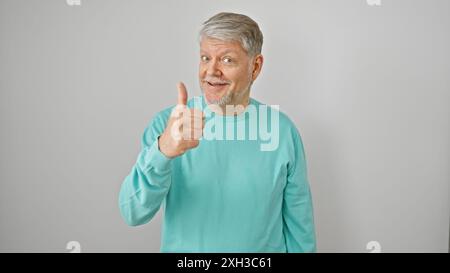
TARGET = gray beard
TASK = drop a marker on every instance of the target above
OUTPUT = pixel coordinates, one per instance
(223, 101)
(230, 98)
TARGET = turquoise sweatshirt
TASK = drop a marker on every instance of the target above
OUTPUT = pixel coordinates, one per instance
(243, 189)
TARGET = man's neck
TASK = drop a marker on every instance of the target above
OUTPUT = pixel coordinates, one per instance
(230, 109)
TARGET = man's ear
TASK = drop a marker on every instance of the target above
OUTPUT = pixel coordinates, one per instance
(257, 66)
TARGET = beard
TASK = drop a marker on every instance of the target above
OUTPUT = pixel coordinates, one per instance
(230, 97)
(223, 101)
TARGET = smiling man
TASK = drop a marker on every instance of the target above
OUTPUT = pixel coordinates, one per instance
(227, 71)
(223, 194)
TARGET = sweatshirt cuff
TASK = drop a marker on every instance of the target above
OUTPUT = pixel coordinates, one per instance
(154, 157)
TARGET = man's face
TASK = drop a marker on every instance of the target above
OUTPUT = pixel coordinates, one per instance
(225, 72)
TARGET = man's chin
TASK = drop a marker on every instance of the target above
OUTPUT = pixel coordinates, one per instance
(219, 100)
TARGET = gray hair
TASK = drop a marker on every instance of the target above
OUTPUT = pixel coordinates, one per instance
(229, 26)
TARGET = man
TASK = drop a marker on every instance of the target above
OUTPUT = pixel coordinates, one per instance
(223, 194)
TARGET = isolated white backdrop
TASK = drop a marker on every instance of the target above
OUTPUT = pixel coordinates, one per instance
(367, 86)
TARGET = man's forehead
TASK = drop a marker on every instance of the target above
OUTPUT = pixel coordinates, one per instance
(219, 46)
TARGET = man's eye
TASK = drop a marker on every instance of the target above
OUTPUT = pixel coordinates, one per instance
(227, 60)
(204, 58)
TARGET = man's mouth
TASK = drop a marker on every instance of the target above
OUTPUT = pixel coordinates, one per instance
(216, 84)
(216, 87)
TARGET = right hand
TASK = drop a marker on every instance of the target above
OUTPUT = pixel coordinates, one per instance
(184, 128)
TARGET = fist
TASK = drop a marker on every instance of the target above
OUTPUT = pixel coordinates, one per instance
(184, 127)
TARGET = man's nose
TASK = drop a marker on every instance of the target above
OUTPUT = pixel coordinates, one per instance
(213, 69)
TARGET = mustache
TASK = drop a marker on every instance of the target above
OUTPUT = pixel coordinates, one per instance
(215, 80)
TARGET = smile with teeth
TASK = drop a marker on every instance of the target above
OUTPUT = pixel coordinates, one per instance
(216, 84)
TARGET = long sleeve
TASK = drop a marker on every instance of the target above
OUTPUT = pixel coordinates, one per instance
(298, 218)
(146, 186)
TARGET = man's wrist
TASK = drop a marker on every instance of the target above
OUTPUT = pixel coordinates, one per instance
(161, 147)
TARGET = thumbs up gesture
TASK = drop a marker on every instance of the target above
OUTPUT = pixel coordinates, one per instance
(184, 127)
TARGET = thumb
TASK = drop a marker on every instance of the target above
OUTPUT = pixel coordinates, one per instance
(182, 94)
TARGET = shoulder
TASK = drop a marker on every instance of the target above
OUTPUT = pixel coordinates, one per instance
(275, 114)
(161, 117)
(284, 128)
(157, 124)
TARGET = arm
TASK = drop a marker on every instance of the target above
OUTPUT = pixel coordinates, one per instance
(144, 189)
(298, 218)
